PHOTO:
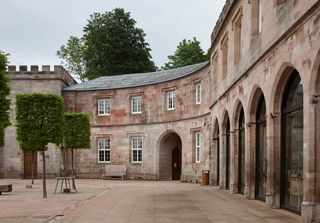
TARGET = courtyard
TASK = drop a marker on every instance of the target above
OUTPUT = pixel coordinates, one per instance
(132, 201)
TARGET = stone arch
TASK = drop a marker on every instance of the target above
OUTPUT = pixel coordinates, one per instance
(238, 148)
(279, 85)
(314, 84)
(225, 118)
(225, 152)
(215, 153)
(313, 121)
(257, 137)
(215, 129)
(280, 167)
(236, 113)
(169, 156)
(254, 98)
(164, 134)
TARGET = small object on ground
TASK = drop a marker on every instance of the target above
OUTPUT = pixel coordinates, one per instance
(29, 186)
(5, 188)
(66, 182)
(115, 171)
(66, 190)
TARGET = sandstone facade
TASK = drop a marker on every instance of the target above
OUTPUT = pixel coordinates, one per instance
(155, 125)
(25, 81)
(256, 128)
(278, 49)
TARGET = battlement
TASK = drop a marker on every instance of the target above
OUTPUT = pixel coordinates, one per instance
(33, 69)
(33, 72)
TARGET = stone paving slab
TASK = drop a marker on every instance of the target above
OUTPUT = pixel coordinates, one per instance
(133, 201)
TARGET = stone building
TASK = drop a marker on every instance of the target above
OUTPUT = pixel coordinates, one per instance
(264, 103)
(157, 124)
(251, 115)
(15, 163)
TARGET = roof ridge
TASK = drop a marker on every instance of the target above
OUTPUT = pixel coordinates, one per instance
(136, 79)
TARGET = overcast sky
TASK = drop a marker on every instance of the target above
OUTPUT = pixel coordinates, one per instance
(33, 30)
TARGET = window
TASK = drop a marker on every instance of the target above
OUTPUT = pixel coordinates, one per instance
(198, 141)
(256, 17)
(215, 63)
(224, 48)
(104, 107)
(237, 39)
(260, 16)
(136, 105)
(171, 100)
(136, 149)
(198, 94)
(104, 150)
(214, 76)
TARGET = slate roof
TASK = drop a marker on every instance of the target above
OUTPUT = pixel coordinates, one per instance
(136, 80)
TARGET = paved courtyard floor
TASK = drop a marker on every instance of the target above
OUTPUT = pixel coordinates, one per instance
(133, 201)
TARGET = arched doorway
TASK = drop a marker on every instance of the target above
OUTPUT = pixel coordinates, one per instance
(216, 153)
(291, 194)
(241, 152)
(261, 155)
(170, 150)
(176, 164)
(226, 153)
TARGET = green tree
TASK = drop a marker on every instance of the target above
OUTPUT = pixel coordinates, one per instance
(4, 92)
(111, 45)
(72, 55)
(40, 120)
(76, 134)
(188, 52)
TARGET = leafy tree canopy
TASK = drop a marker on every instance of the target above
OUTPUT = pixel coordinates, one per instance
(111, 45)
(4, 92)
(77, 131)
(72, 55)
(188, 52)
(40, 120)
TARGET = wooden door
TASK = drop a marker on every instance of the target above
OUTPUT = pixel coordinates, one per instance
(176, 164)
(28, 164)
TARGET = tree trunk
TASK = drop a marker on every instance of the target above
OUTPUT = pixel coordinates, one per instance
(32, 167)
(44, 174)
(72, 163)
(63, 161)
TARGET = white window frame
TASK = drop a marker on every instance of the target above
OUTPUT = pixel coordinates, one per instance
(136, 146)
(104, 107)
(198, 94)
(171, 100)
(104, 145)
(136, 104)
(198, 147)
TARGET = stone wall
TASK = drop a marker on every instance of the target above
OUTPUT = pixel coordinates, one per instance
(24, 81)
(289, 41)
(152, 124)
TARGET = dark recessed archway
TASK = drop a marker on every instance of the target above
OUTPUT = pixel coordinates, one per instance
(261, 155)
(170, 150)
(241, 152)
(226, 151)
(291, 195)
(215, 153)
